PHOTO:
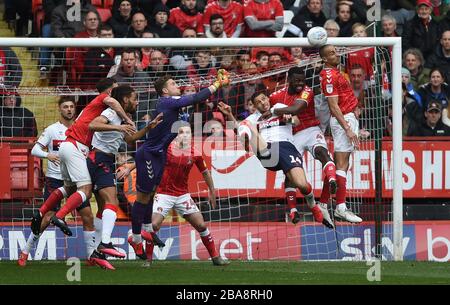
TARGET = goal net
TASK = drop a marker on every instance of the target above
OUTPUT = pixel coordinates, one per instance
(250, 221)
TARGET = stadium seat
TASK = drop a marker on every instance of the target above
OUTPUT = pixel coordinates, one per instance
(36, 5)
(108, 4)
(288, 15)
(19, 170)
(104, 13)
(39, 21)
(97, 3)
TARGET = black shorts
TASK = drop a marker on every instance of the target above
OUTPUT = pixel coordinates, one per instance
(52, 184)
(282, 156)
(102, 170)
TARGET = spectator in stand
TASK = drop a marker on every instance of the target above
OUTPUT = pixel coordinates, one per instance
(232, 14)
(414, 62)
(160, 24)
(243, 57)
(389, 26)
(75, 56)
(309, 16)
(444, 25)
(240, 93)
(363, 57)
(262, 61)
(127, 74)
(157, 66)
(215, 28)
(146, 52)
(436, 89)
(10, 68)
(98, 61)
(432, 125)
(187, 16)
(406, 81)
(332, 28)
(446, 115)
(46, 31)
(344, 10)
(441, 56)
(22, 9)
(328, 7)
(62, 27)
(15, 120)
(296, 55)
(421, 32)
(138, 25)
(120, 20)
(202, 65)
(263, 18)
(180, 59)
(272, 83)
(401, 10)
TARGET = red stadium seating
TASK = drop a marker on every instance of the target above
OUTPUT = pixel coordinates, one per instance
(108, 4)
(97, 3)
(36, 5)
(104, 13)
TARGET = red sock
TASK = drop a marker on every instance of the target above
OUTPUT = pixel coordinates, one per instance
(325, 195)
(149, 250)
(51, 202)
(341, 179)
(208, 241)
(329, 170)
(291, 197)
(99, 214)
(74, 201)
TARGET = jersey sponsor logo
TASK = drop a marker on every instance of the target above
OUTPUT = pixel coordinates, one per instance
(305, 95)
(329, 88)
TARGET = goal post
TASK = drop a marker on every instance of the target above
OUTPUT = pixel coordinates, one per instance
(394, 43)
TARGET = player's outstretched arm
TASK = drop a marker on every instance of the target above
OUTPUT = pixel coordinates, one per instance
(115, 105)
(100, 124)
(130, 139)
(337, 113)
(294, 109)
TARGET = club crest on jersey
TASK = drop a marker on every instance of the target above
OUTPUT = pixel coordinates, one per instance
(304, 95)
(329, 88)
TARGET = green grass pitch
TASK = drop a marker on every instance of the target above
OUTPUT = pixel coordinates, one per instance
(238, 272)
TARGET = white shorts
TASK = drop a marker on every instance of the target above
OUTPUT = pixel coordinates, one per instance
(183, 205)
(74, 168)
(340, 139)
(308, 139)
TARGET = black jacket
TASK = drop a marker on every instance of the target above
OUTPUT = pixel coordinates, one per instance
(424, 130)
(427, 95)
(305, 20)
(119, 25)
(168, 31)
(17, 121)
(437, 59)
(415, 35)
(97, 64)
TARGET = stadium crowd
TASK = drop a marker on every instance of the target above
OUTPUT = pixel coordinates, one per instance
(424, 26)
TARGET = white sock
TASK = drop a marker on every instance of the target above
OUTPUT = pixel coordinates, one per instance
(137, 238)
(98, 223)
(147, 227)
(310, 201)
(204, 233)
(293, 210)
(89, 240)
(32, 239)
(341, 207)
(109, 219)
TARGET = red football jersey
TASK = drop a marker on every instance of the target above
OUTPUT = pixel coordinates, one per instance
(183, 21)
(262, 11)
(333, 83)
(176, 172)
(307, 117)
(233, 15)
(364, 58)
(79, 130)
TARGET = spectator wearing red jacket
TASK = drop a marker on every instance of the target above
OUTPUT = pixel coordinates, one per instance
(263, 18)
(187, 16)
(232, 13)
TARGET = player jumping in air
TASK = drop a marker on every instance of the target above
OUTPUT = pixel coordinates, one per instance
(270, 137)
(73, 153)
(173, 192)
(307, 135)
(50, 140)
(343, 123)
(107, 139)
(151, 155)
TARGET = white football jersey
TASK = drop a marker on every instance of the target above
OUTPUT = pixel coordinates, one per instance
(109, 141)
(51, 137)
(272, 129)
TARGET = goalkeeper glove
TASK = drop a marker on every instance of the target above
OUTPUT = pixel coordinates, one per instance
(222, 79)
